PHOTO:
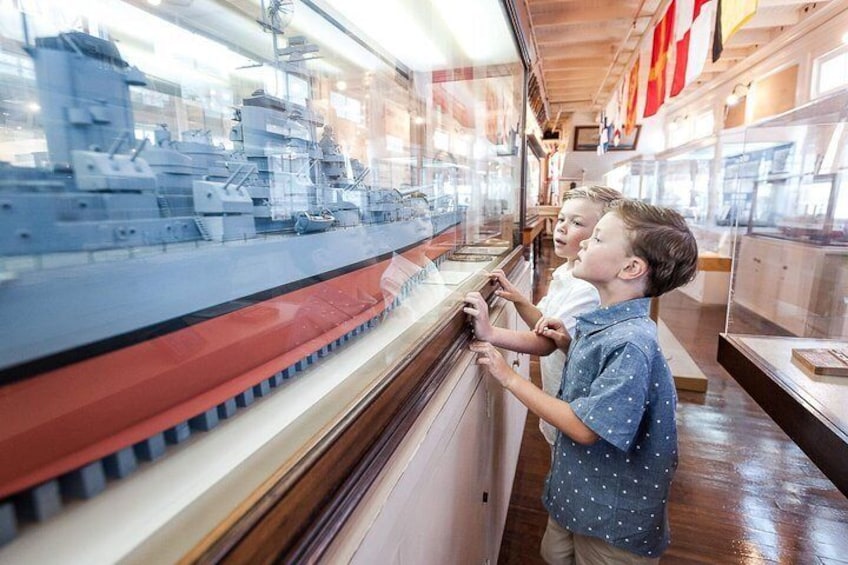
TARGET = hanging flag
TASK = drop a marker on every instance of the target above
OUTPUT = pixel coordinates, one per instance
(622, 104)
(657, 84)
(730, 16)
(611, 111)
(692, 29)
(632, 98)
(603, 136)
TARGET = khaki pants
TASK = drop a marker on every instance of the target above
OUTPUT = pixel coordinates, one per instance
(562, 547)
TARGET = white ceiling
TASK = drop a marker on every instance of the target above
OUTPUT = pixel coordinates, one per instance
(582, 48)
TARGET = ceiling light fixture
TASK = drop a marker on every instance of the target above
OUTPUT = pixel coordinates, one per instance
(739, 92)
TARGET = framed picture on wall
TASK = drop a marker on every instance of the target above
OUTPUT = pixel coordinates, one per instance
(586, 138)
(627, 142)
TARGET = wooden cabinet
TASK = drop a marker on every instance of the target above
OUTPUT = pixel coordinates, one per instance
(797, 270)
(443, 496)
(757, 275)
(800, 287)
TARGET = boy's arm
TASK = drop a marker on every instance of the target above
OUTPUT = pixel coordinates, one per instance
(528, 312)
(520, 341)
(526, 309)
(555, 330)
(553, 410)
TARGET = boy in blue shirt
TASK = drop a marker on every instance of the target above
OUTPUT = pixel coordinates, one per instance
(616, 453)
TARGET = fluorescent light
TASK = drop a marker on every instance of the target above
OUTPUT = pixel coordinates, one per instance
(322, 32)
(480, 29)
(391, 25)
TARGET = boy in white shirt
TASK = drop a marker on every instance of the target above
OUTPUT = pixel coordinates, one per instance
(567, 296)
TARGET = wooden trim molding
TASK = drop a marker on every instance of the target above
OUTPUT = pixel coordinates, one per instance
(298, 516)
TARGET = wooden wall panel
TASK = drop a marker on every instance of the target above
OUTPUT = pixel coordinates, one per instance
(775, 93)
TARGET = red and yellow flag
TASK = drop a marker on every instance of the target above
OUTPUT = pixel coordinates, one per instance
(692, 32)
(657, 84)
(632, 99)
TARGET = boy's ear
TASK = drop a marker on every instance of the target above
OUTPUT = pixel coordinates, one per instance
(634, 268)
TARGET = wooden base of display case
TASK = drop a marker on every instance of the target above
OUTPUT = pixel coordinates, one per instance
(687, 374)
(812, 409)
(712, 283)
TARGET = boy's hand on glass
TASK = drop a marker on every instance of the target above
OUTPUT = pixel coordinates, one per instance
(489, 357)
(478, 314)
(553, 329)
(508, 291)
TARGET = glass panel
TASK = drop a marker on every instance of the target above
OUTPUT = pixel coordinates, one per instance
(791, 265)
(203, 200)
(636, 179)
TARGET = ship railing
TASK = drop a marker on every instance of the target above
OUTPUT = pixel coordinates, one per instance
(10, 265)
(247, 169)
(358, 180)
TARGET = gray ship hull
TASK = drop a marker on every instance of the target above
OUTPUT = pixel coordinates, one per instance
(47, 310)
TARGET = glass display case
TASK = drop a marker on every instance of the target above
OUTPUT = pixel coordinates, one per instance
(689, 179)
(635, 178)
(205, 202)
(698, 179)
(786, 336)
(791, 266)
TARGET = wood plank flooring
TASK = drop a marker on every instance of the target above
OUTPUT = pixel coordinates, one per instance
(744, 493)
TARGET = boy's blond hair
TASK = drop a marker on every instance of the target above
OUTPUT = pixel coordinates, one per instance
(662, 238)
(596, 193)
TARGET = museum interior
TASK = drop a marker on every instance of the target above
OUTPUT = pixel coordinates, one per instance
(300, 399)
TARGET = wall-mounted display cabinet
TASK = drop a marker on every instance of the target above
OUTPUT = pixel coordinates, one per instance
(204, 202)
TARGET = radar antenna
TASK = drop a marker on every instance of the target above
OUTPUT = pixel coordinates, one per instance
(276, 15)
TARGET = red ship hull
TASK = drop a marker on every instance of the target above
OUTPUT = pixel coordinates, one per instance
(67, 418)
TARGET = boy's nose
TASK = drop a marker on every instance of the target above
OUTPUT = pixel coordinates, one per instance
(584, 243)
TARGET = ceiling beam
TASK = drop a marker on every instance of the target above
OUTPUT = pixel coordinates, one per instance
(576, 74)
(560, 39)
(777, 3)
(570, 85)
(559, 13)
(576, 63)
(588, 49)
(773, 18)
(747, 37)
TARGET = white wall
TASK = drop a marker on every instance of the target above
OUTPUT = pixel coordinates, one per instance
(591, 167)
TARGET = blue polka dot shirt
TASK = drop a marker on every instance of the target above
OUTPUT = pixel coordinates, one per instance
(618, 383)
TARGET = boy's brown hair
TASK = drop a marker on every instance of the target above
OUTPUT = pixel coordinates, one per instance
(596, 193)
(662, 238)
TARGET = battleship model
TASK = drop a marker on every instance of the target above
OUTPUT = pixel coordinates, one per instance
(150, 289)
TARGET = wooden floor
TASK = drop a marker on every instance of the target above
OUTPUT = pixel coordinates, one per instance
(743, 493)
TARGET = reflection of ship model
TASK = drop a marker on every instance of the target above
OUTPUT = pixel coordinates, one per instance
(149, 291)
